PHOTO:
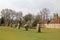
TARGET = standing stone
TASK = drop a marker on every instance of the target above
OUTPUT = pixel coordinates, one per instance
(18, 26)
(26, 27)
(38, 28)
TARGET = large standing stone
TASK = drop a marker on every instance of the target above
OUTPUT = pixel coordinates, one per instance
(38, 28)
(26, 27)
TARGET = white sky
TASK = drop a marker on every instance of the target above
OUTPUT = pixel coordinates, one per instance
(32, 6)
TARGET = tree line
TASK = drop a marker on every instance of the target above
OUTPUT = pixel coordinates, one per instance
(11, 18)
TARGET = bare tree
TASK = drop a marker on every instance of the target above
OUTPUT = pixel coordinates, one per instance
(19, 19)
(12, 15)
(6, 16)
(38, 18)
(44, 13)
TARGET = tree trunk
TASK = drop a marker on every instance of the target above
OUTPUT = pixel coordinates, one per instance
(19, 26)
(15, 25)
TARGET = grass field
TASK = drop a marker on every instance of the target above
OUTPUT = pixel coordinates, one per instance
(7, 33)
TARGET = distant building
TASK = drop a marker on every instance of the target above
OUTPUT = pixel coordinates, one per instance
(55, 16)
(53, 23)
(55, 20)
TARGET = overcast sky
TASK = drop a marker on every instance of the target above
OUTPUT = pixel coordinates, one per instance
(32, 6)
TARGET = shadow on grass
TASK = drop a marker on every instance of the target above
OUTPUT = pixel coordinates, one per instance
(45, 32)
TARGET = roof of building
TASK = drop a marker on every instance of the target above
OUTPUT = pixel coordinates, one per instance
(55, 21)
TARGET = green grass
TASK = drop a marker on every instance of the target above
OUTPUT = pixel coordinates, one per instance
(8, 33)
